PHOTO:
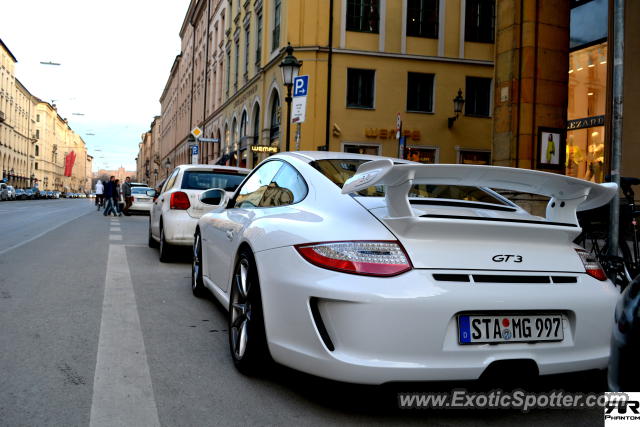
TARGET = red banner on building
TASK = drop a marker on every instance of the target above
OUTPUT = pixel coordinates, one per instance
(69, 160)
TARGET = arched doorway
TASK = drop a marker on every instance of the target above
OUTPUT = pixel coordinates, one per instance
(274, 120)
(256, 134)
(242, 155)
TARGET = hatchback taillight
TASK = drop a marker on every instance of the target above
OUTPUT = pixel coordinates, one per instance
(370, 258)
(591, 265)
(179, 200)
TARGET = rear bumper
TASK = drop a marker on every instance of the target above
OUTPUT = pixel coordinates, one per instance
(179, 227)
(143, 207)
(404, 328)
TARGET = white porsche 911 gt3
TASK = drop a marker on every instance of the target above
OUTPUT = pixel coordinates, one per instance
(369, 270)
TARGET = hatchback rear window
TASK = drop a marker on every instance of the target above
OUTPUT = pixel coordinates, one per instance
(203, 180)
(340, 170)
(140, 190)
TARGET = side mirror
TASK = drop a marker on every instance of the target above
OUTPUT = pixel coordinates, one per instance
(151, 193)
(214, 197)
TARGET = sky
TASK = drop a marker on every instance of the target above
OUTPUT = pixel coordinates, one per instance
(115, 57)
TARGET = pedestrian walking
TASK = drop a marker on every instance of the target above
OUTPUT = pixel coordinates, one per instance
(117, 197)
(109, 189)
(126, 194)
(99, 192)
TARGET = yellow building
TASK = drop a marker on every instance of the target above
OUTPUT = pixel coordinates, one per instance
(54, 140)
(377, 60)
(17, 138)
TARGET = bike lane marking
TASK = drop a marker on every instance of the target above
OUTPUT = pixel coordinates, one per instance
(122, 389)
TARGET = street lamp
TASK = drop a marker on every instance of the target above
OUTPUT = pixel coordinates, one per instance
(167, 165)
(290, 67)
(458, 104)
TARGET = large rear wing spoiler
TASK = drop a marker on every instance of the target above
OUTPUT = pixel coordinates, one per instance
(567, 194)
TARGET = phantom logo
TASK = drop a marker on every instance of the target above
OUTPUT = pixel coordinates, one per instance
(622, 407)
(622, 412)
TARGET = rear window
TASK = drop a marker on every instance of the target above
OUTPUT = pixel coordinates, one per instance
(203, 180)
(140, 190)
(340, 170)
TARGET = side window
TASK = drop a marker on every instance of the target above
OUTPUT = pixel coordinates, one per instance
(253, 189)
(172, 180)
(286, 188)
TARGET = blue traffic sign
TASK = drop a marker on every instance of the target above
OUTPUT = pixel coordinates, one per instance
(300, 85)
(194, 150)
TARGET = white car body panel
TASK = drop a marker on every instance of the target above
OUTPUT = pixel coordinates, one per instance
(403, 328)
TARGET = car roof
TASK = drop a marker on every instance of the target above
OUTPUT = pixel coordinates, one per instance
(310, 156)
(212, 167)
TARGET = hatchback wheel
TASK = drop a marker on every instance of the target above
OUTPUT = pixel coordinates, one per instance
(166, 250)
(152, 242)
(197, 283)
(247, 337)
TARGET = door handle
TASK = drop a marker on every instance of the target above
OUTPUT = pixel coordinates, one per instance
(229, 234)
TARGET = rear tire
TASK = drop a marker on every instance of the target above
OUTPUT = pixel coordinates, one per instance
(152, 242)
(166, 250)
(247, 336)
(197, 282)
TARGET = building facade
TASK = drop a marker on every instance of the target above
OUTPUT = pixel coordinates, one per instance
(554, 93)
(34, 139)
(368, 62)
(17, 137)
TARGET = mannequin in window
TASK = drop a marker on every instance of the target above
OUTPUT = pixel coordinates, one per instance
(575, 156)
(595, 159)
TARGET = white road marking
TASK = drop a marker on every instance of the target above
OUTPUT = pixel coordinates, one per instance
(115, 229)
(115, 237)
(122, 390)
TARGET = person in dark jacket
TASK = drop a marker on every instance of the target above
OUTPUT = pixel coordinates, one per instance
(109, 189)
(126, 195)
(117, 197)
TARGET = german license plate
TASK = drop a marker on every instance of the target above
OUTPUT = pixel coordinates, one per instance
(509, 328)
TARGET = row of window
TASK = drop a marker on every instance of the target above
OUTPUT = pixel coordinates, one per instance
(423, 18)
(420, 92)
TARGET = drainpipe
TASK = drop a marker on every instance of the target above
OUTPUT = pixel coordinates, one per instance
(616, 140)
(206, 84)
(329, 67)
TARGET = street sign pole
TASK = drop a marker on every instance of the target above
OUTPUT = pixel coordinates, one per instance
(298, 137)
(299, 105)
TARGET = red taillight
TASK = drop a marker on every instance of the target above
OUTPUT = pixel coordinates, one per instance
(591, 265)
(179, 200)
(370, 258)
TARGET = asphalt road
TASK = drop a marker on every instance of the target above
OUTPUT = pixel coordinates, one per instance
(94, 330)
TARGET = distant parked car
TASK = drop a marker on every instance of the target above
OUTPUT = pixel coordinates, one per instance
(176, 210)
(55, 194)
(4, 192)
(142, 202)
(20, 195)
(29, 193)
(12, 192)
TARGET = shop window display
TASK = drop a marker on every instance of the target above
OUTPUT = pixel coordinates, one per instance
(587, 97)
(420, 154)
